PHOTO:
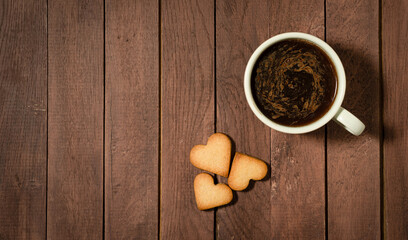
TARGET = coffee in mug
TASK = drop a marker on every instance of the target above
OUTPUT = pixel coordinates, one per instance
(294, 82)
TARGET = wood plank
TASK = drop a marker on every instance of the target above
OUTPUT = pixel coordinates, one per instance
(132, 119)
(75, 135)
(298, 161)
(353, 176)
(23, 119)
(241, 27)
(395, 66)
(187, 113)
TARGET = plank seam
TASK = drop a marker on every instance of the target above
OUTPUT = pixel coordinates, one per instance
(381, 124)
(326, 197)
(215, 99)
(269, 6)
(46, 170)
(160, 119)
(104, 116)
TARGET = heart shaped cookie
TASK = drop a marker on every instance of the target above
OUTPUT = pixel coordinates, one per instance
(214, 157)
(208, 195)
(245, 168)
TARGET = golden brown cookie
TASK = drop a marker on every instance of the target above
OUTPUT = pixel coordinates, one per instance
(208, 195)
(245, 168)
(214, 157)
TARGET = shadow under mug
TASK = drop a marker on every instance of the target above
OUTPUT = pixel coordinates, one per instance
(340, 115)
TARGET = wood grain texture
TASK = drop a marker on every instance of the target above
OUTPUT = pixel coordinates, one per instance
(75, 133)
(23, 119)
(395, 62)
(353, 175)
(298, 161)
(132, 119)
(241, 26)
(187, 113)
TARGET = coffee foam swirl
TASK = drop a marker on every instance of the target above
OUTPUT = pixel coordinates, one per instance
(291, 81)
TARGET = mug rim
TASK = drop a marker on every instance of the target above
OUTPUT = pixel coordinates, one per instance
(341, 83)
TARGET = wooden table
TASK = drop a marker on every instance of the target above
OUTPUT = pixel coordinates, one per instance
(101, 102)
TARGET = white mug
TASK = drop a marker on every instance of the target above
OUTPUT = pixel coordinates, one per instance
(340, 115)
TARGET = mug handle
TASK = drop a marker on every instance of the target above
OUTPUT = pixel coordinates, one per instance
(350, 122)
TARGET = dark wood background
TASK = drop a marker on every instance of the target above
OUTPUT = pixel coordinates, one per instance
(102, 100)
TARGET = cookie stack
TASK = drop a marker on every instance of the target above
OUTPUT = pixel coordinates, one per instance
(215, 157)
